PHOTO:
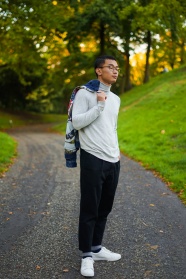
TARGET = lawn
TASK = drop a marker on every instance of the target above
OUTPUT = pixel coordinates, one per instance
(16, 119)
(152, 127)
(7, 151)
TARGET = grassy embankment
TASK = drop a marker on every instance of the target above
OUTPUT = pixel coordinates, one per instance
(7, 121)
(152, 127)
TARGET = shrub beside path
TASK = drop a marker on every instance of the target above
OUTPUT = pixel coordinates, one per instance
(39, 217)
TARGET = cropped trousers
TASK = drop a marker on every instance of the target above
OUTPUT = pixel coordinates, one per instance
(98, 183)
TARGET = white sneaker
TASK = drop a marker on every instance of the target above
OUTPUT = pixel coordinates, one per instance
(105, 255)
(87, 267)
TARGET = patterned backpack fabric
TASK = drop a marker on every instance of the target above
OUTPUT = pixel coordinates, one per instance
(72, 143)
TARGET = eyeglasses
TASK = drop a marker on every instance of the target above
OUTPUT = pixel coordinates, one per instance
(112, 68)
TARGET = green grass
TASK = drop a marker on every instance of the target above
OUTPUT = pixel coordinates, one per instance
(152, 127)
(13, 119)
(7, 120)
(61, 128)
(7, 151)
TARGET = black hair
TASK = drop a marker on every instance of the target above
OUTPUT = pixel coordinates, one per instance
(101, 60)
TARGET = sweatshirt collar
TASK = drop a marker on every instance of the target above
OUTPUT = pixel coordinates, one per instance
(96, 85)
(104, 87)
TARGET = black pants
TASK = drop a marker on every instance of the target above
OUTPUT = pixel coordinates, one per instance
(98, 182)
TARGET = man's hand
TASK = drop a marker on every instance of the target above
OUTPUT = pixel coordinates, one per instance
(101, 96)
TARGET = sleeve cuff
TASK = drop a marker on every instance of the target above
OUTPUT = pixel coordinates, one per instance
(101, 105)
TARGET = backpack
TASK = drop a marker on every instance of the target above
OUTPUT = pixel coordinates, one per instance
(72, 143)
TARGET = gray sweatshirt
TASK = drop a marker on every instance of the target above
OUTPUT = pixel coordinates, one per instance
(97, 123)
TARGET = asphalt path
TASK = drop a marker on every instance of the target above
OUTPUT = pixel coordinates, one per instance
(39, 203)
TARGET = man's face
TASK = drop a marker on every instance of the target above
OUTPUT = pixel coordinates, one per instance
(108, 72)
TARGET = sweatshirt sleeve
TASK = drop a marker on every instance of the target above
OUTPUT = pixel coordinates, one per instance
(116, 127)
(82, 116)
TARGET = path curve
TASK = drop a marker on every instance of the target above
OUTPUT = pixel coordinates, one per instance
(39, 216)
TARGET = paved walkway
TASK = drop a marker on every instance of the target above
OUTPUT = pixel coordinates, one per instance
(39, 216)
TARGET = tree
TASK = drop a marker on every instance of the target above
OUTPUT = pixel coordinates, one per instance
(170, 23)
(26, 29)
(47, 47)
(127, 34)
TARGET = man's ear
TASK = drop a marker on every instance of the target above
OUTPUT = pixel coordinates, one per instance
(98, 71)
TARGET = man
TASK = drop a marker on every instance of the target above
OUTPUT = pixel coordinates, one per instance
(94, 115)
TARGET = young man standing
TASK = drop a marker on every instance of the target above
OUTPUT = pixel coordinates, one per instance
(95, 116)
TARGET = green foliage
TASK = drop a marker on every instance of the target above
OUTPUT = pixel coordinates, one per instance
(152, 127)
(13, 92)
(48, 47)
(26, 32)
(61, 128)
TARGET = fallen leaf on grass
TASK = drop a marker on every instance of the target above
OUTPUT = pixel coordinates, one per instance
(181, 192)
(10, 212)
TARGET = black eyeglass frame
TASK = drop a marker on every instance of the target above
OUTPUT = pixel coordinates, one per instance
(111, 67)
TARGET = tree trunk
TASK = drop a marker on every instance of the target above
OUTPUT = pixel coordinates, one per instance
(182, 54)
(173, 57)
(102, 38)
(146, 76)
(122, 84)
(128, 84)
